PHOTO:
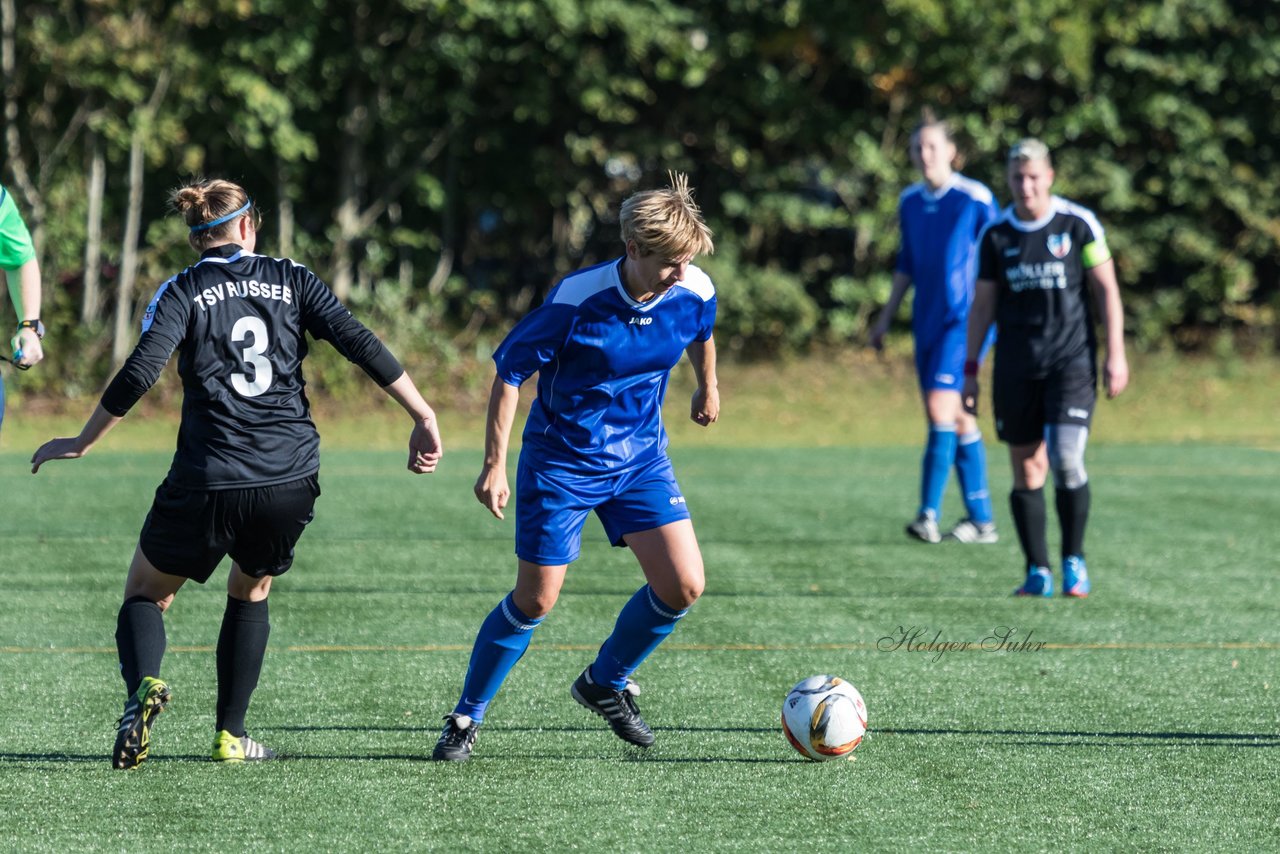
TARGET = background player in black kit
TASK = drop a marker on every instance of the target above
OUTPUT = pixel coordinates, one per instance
(243, 479)
(1037, 265)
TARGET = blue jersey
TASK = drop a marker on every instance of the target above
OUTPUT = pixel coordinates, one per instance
(940, 233)
(603, 361)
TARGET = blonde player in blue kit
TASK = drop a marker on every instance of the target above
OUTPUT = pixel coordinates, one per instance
(941, 218)
(603, 345)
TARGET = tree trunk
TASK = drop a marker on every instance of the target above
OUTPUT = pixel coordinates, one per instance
(91, 304)
(35, 213)
(448, 225)
(350, 185)
(284, 234)
(120, 338)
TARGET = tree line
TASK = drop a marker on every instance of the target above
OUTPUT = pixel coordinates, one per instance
(443, 162)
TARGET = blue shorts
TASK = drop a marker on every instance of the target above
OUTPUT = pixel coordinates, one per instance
(552, 507)
(940, 359)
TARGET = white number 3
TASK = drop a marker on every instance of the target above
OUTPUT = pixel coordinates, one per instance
(252, 355)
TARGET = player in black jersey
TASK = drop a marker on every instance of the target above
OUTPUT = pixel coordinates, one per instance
(1039, 264)
(243, 479)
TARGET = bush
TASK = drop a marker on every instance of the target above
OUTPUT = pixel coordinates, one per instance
(763, 311)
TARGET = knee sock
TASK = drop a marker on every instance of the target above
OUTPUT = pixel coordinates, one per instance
(971, 471)
(1029, 518)
(1073, 515)
(242, 643)
(140, 641)
(939, 454)
(502, 640)
(644, 622)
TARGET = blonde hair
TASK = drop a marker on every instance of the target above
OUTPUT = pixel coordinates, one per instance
(205, 200)
(666, 222)
(1028, 149)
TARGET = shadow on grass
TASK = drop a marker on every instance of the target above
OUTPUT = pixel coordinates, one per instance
(1009, 737)
(1216, 739)
(434, 729)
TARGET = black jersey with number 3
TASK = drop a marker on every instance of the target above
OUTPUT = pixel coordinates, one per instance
(1044, 315)
(239, 323)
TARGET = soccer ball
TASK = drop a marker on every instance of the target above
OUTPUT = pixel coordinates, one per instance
(824, 718)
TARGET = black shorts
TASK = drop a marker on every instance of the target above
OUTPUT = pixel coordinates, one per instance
(188, 532)
(1024, 407)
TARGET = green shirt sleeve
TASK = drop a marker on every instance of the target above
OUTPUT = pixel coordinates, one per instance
(15, 240)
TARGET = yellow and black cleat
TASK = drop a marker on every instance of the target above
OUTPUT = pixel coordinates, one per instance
(133, 739)
(232, 748)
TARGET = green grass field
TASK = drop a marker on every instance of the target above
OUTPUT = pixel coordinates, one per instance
(1150, 720)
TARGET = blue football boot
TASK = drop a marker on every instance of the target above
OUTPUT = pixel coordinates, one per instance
(1039, 582)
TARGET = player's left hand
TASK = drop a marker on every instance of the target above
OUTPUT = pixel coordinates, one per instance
(969, 396)
(425, 447)
(56, 449)
(705, 407)
(1115, 376)
(28, 344)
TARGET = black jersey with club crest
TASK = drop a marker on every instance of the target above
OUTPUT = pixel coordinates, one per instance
(1044, 312)
(239, 323)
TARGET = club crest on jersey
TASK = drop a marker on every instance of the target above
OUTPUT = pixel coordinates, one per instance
(1059, 245)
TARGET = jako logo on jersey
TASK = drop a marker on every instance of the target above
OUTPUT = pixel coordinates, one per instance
(1059, 244)
(641, 321)
(677, 499)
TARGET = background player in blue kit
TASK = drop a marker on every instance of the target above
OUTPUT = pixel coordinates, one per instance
(22, 274)
(941, 218)
(1045, 273)
(603, 345)
(244, 477)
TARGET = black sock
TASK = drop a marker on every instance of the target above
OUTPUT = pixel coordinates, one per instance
(1030, 519)
(1073, 515)
(241, 645)
(139, 640)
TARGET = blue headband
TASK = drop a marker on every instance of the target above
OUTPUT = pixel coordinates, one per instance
(205, 226)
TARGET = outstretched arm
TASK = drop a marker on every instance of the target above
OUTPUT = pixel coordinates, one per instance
(492, 488)
(425, 446)
(1106, 295)
(98, 425)
(705, 407)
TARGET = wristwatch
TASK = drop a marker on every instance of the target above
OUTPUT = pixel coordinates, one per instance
(34, 325)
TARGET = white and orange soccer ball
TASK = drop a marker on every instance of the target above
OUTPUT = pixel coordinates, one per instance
(824, 717)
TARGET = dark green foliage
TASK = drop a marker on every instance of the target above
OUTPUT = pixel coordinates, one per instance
(489, 144)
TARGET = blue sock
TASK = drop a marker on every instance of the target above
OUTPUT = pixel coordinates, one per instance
(971, 469)
(939, 453)
(502, 640)
(645, 622)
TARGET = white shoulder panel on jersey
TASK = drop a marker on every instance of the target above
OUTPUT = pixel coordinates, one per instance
(149, 316)
(975, 190)
(1069, 207)
(1005, 215)
(577, 288)
(914, 189)
(273, 258)
(699, 282)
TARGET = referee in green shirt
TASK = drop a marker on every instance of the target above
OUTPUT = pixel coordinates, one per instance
(18, 260)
